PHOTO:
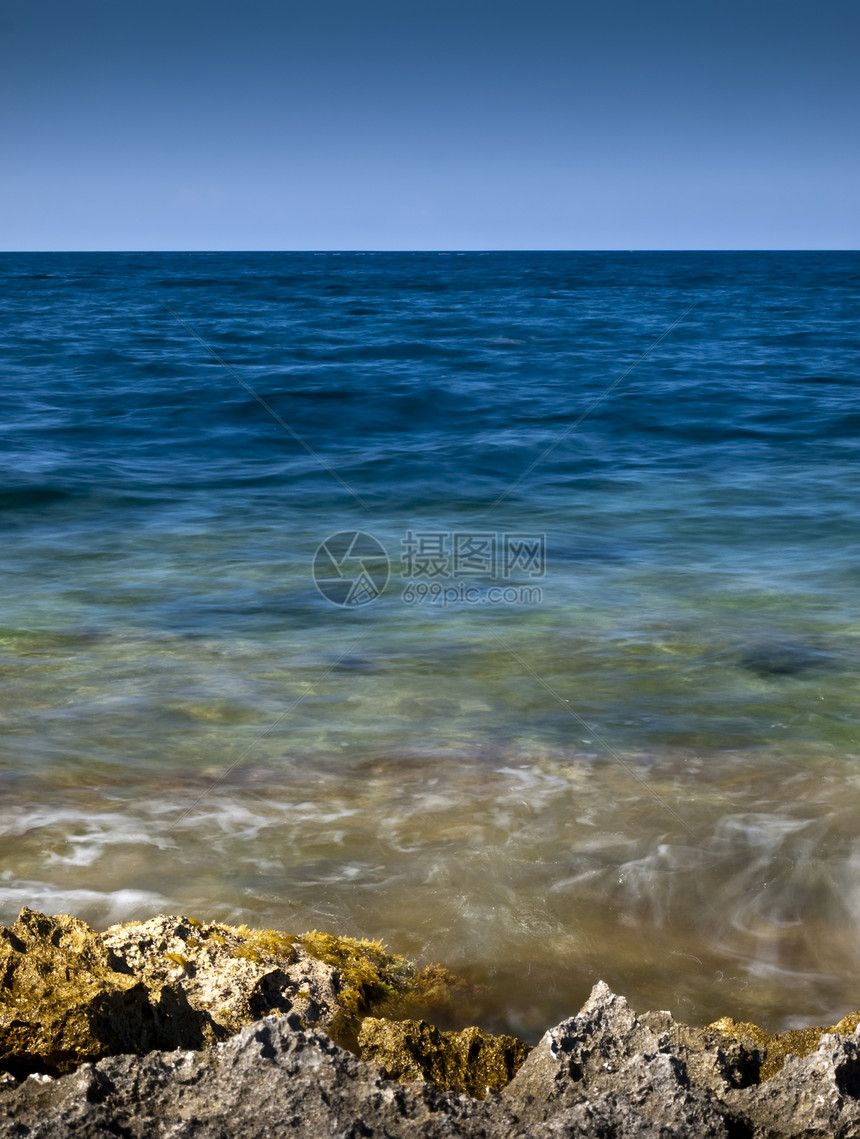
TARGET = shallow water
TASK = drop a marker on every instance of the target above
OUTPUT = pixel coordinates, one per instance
(645, 769)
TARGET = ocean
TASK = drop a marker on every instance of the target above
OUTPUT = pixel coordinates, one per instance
(502, 606)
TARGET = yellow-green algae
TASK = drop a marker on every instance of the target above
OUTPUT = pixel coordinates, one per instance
(371, 980)
(780, 1045)
(468, 1061)
(66, 998)
(256, 942)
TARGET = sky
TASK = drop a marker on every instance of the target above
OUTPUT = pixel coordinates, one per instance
(451, 124)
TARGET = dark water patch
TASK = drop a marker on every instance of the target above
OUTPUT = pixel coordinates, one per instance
(45, 641)
(353, 663)
(784, 658)
(845, 424)
(36, 497)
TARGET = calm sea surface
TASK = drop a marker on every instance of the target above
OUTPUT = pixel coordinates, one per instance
(575, 692)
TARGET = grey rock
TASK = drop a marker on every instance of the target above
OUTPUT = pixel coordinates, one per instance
(813, 1095)
(605, 1072)
(606, 1054)
(224, 973)
(272, 1078)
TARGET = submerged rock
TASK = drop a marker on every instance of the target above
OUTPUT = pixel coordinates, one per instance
(783, 658)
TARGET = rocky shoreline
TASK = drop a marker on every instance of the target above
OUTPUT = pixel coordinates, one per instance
(173, 1027)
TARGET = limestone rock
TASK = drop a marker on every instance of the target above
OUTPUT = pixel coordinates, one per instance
(68, 994)
(778, 1046)
(238, 975)
(137, 1019)
(272, 1078)
(713, 1059)
(606, 1054)
(235, 975)
(813, 1095)
(605, 1072)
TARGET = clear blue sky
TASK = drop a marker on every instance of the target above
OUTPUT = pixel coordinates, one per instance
(539, 124)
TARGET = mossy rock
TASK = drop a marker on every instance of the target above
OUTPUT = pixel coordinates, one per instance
(69, 994)
(235, 974)
(780, 1045)
(239, 974)
(368, 974)
(372, 981)
(470, 1061)
(65, 998)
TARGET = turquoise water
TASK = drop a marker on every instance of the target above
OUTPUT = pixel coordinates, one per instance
(639, 763)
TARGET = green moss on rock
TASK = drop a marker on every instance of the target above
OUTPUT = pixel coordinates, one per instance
(373, 982)
(66, 998)
(239, 974)
(266, 942)
(368, 974)
(470, 1061)
(780, 1045)
(69, 994)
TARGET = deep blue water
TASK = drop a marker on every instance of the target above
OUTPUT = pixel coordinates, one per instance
(181, 433)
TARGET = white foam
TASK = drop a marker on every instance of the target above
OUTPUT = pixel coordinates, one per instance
(97, 907)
